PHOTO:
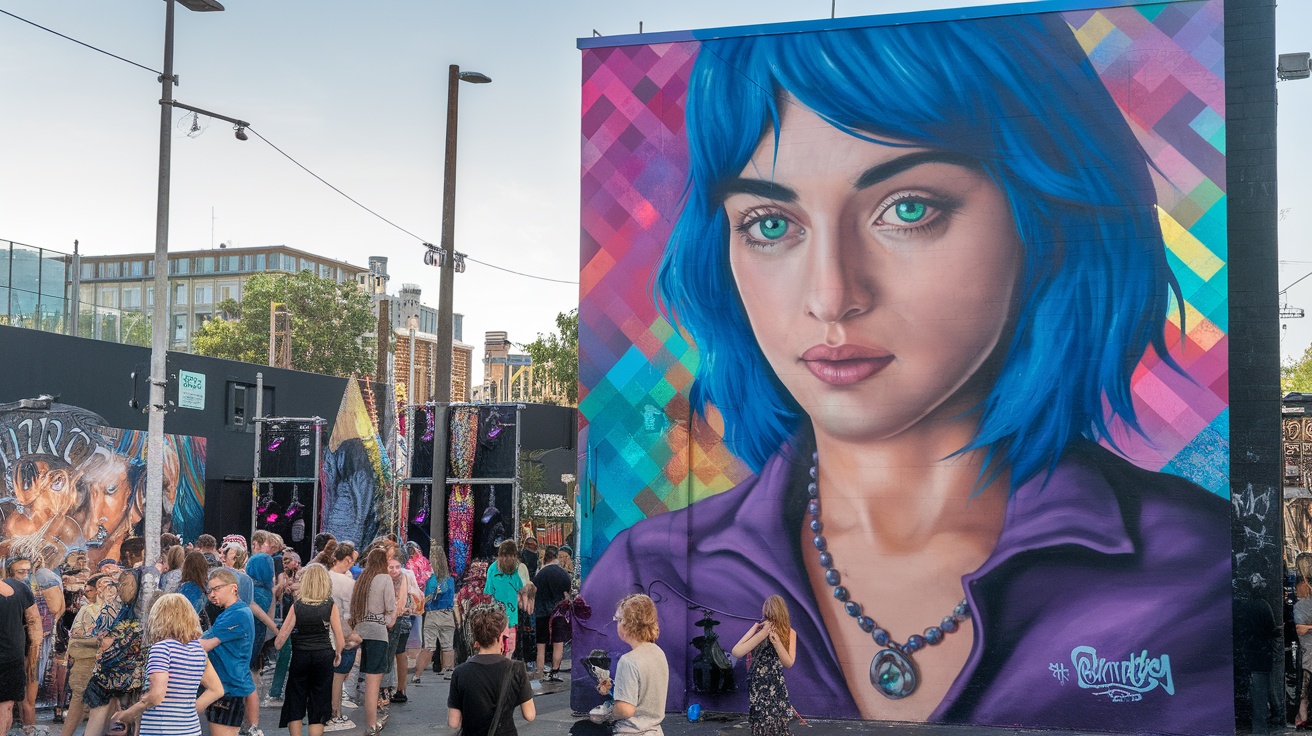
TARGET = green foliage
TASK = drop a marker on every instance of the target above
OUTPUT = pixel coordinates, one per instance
(556, 361)
(1296, 375)
(328, 321)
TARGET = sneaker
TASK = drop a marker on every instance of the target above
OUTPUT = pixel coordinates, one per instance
(271, 702)
(340, 723)
(399, 697)
(446, 673)
(255, 731)
(348, 703)
(416, 680)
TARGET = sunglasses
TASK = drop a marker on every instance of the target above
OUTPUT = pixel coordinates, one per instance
(217, 588)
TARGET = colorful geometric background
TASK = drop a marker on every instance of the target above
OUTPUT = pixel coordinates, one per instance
(647, 452)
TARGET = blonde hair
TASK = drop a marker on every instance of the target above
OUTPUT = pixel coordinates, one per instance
(316, 586)
(776, 612)
(239, 555)
(172, 617)
(637, 615)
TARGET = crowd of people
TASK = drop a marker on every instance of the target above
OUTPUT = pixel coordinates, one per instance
(236, 628)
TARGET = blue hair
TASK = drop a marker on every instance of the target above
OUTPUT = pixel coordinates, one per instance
(1018, 96)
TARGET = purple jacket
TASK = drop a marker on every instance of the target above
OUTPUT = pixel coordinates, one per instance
(1105, 605)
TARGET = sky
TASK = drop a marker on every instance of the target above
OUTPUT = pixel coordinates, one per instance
(356, 92)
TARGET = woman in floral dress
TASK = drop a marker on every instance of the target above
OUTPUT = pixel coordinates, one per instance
(773, 646)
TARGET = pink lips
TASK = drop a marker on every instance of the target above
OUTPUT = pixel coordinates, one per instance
(845, 365)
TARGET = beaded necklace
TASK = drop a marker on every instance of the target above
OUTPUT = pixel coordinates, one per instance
(892, 670)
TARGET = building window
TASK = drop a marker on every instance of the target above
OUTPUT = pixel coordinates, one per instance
(203, 294)
(202, 318)
(228, 264)
(109, 270)
(179, 328)
(180, 295)
(88, 270)
(205, 264)
(137, 268)
(132, 297)
(307, 265)
(108, 297)
(259, 261)
(229, 291)
(241, 406)
(180, 266)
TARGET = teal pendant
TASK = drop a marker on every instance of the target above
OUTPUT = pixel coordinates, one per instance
(893, 674)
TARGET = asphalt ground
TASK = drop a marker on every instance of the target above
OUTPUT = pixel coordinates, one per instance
(426, 712)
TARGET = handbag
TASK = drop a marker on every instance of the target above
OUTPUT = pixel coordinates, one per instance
(501, 698)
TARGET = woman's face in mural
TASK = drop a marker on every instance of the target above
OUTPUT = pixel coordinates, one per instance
(871, 274)
(107, 487)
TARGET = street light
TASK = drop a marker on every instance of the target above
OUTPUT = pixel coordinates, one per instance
(159, 332)
(442, 371)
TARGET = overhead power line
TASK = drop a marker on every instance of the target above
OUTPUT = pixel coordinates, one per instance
(289, 157)
(81, 43)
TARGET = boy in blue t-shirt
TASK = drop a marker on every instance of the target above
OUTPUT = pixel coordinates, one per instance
(229, 642)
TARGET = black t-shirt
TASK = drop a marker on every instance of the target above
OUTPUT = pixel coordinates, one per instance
(530, 560)
(313, 624)
(553, 583)
(13, 639)
(475, 686)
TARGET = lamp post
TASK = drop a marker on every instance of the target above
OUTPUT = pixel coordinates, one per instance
(159, 329)
(442, 371)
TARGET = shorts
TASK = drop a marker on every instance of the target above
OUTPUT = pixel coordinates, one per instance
(439, 628)
(544, 630)
(508, 637)
(229, 710)
(13, 682)
(348, 661)
(96, 695)
(373, 657)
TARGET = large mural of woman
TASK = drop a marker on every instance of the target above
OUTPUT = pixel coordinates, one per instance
(935, 285)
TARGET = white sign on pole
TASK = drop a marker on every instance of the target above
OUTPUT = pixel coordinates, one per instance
(191, 390)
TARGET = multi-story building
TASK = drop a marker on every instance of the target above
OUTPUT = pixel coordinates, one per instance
(198, 280)
(406, 309)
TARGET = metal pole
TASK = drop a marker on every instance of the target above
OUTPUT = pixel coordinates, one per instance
(318, 472)
(447, 281)
(159, 333)
(259, 440)
(76, 296)
(442, 369)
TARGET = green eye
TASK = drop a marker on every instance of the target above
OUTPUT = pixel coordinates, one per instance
(910, 212)
(773, 228)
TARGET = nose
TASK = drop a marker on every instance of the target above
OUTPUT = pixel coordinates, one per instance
(840, 287)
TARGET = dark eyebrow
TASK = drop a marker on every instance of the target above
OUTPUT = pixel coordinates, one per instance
(889, 169)
(757, 187)
(869, 177)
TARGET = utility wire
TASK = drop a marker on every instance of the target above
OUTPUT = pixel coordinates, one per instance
(81, 43)
(330, 186)
(288, 156)
(356, 202)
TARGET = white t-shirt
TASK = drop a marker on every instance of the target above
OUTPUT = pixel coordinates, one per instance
(642, 679)
(343, 587)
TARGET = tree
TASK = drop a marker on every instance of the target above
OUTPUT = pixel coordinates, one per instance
(1296, 375)
(329, 322)
(556, 361)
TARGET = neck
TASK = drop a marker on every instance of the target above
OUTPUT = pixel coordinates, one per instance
(494, 649)
(902, 493)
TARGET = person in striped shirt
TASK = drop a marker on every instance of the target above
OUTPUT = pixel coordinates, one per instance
(176, 668)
